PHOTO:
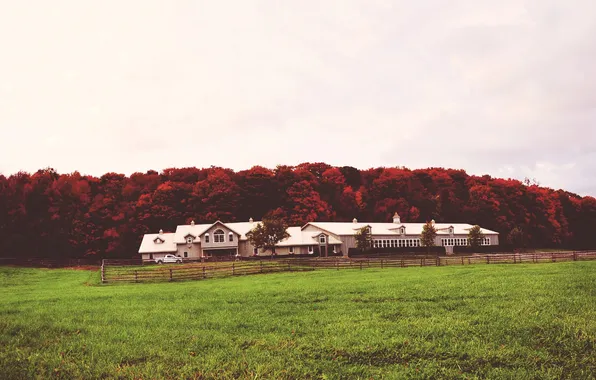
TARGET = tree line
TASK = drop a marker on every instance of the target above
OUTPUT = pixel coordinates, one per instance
(47, 214)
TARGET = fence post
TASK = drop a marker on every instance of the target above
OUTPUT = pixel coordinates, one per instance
(381, 263)
(233, 271)
(361, 265)
(402, 263)
(260, 262)
(422, 262)
(171, 274)
(136, 276)
(103, 278)
(462, 260)
(438, 261)
(487, 259)
(289, 267)
(574, 259)
(337, 264)
(204, 276)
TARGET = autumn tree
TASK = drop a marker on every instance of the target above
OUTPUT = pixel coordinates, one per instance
(363, 238)
(268, 233)
(475, 236)
(428, 235)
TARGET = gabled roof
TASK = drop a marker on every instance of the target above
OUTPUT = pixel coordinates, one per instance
(149, 243)
(240, 228)
(220, 223)
(300, 237)
(350, 228)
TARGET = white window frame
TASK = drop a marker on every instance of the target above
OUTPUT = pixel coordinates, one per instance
(206, 238)
(322, 239)
(231, 237)
(217, 236)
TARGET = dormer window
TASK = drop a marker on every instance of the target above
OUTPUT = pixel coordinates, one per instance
(189, 240)
(230, 236)
(206, 238)
(218, 236)
(322, 239)
(402, 230)
(158, 241)
(451, 230)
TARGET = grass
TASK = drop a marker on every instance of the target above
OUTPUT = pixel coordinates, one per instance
(497, 321)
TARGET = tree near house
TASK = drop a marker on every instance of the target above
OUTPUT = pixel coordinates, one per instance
(516, 238)
(363, 238)
(428, 235)
(475, 236)
(268, 233)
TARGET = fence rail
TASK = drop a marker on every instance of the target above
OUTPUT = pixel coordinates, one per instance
(121, 272)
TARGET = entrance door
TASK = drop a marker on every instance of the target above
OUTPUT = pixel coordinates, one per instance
(323, 250)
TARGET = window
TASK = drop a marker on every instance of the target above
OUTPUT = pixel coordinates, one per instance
(291, 250)
(230, 237)
(322, 239)
(189, 240)
(206, 238)
(185, 254)
(310, 249)
(218, 236)
(255, 251)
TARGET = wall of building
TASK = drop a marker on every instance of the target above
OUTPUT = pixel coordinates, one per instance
(153, 256)
(194, 251)
(226, 243)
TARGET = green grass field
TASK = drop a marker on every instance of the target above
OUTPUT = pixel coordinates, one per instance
(493, 321)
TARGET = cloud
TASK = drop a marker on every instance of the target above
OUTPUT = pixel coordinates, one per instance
(504, 89)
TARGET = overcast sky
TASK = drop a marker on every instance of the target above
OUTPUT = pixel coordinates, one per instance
(506, 88)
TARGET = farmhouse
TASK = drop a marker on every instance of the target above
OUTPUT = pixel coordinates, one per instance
(195, 241)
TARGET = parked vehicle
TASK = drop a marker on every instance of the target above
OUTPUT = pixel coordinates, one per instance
(169, 259)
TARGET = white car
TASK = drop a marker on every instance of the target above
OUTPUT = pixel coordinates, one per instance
(168, 259)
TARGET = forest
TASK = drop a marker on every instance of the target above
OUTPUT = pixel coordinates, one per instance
(52, 215)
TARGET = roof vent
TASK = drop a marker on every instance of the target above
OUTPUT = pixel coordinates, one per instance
(396, 218)
(192, 223)
(161, 232)
(355, 220)
(250, 220)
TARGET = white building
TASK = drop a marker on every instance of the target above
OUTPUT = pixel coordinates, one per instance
(195, 241)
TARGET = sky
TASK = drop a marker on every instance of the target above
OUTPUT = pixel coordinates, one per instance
(506, 88)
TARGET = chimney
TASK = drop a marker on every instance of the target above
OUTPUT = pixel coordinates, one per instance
(192, 223)
(396, 218)
(250, 220)
(161, 232)
(355, 220)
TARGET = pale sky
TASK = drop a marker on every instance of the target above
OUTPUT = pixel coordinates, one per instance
(506, 88)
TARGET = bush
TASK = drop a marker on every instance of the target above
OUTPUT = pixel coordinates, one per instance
(352, 252)
(483, 249)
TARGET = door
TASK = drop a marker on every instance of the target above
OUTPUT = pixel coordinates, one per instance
(323, 250)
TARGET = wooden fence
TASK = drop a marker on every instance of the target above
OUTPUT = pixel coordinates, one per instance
(198, 271)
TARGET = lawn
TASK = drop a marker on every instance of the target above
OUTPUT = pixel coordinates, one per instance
(493, 321)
